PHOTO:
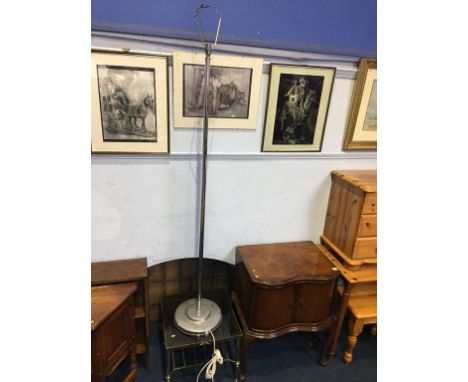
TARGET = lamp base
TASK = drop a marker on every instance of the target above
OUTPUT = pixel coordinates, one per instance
(193, 322)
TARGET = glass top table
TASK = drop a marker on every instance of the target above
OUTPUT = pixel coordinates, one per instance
(184, 351)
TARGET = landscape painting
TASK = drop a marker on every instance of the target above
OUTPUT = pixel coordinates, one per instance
(370, 121)
(361, 127)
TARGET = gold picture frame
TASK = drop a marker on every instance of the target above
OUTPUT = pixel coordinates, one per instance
(361, 127)
(235, 84)
(129, 103)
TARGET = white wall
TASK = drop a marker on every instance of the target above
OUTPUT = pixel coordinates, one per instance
(147, 205)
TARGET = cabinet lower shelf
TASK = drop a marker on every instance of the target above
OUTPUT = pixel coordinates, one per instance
(139, 312)
(140, 343)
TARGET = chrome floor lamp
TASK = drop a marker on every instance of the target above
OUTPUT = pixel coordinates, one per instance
(198, 315)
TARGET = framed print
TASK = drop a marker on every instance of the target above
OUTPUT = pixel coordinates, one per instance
(233, 95)
(296, 113)
(129, 103)
(361, 129)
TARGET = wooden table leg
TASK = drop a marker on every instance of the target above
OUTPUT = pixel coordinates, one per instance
(323, 354)
(246, 341)
(340, 318)
(133, 359)
(133, 364)
(373, 330)
(355, 328)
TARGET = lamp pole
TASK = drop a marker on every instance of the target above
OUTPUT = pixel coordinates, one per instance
(203, 175)
(199, 316)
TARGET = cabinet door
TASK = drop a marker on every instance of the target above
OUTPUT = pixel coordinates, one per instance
(273, 308)
(313, 302)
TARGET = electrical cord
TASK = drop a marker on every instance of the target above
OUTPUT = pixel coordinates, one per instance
(211, 364)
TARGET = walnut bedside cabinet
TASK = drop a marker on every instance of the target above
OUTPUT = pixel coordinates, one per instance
(282, 288)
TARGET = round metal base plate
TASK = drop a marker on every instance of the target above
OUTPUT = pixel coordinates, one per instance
(188, 320)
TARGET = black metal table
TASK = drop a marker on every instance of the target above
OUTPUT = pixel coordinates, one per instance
(184, 351)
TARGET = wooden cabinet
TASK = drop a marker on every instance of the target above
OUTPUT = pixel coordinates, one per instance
(351, 221)
(112, 330)
(350, 242)
(271, 309)
(359, 294)
(307, 307)
(121, 271)
(281, 288)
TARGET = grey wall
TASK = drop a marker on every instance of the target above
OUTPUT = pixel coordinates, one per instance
(147, 206)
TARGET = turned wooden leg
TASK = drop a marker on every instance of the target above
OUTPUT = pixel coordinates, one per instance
(246, 341)
(340, 318)
(323, 354)
(133, 359)
(373, 330)
(355, 328)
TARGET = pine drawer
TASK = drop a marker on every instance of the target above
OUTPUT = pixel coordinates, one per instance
(367, 226)
(370, 204)
(365, 247)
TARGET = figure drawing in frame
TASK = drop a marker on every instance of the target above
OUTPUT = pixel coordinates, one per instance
(229, 91)
(297, 109)
(127, 101)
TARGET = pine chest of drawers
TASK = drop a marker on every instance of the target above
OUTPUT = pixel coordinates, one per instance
(351, 221)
